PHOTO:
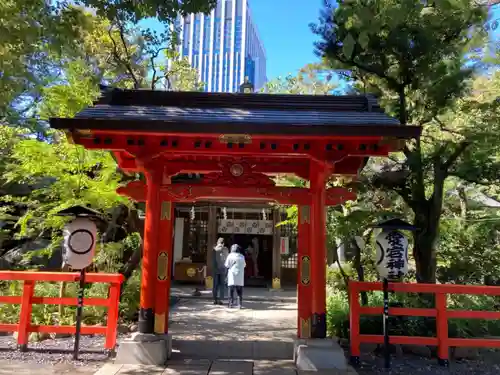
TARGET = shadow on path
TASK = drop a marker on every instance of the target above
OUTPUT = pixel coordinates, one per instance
(262, 330)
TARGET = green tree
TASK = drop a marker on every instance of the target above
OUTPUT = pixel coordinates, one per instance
(37, 38)
(413, 55)
(57, 173)
(165, 11)
(312, 79)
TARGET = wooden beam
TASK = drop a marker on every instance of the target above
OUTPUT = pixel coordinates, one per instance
(152, 146)
(177, 166)
(136, 190)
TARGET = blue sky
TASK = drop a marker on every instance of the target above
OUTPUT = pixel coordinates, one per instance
(284, 29)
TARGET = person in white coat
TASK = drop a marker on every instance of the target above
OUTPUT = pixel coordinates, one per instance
(235, 264)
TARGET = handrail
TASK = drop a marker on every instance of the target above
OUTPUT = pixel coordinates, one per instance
(27, 299)
(440, 312)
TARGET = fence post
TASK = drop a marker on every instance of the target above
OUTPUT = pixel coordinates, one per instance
(354, 323)
(25, 315)
(442, 330)
(112, 321)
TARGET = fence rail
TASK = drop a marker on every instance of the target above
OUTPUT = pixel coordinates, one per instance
(24, 327)
(440, 312)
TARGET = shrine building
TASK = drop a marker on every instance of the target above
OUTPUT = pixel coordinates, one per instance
(208, 163)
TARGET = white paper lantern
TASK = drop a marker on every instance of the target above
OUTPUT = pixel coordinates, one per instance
(79, 243)
(392, 254)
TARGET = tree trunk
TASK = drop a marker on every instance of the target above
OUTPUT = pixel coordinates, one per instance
(135, 224)
(359, 270)
(424, 248)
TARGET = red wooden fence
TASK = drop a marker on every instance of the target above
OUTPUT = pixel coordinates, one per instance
(28, 298)
(440, 312)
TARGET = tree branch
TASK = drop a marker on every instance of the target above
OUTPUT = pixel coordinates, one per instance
(455, 155)
(152, 59)
(444, 128)
(116, 53)
(366, 69)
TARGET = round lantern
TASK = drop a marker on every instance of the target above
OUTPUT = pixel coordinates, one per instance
(347, 251)
(79, 242)
(392, 254)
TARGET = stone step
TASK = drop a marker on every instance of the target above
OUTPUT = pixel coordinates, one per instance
(226, 349)
(219, 367)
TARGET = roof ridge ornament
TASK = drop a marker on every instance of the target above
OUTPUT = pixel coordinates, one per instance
(372, 104)
(106, 94)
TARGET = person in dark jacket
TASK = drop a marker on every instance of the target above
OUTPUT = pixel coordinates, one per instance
(219, 256)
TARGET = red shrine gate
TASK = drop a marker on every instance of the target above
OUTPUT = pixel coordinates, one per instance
(235, 141)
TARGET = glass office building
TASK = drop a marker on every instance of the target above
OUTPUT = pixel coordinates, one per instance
(224, 46)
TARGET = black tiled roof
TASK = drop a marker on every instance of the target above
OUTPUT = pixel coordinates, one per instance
(195, 112)
(237, 115)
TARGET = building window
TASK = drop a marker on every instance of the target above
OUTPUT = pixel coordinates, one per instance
(196, 33)
(229, 9)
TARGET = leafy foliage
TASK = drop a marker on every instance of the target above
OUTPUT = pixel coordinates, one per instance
(312, 79)
(417, 58)
(53, 56)
(132, 11)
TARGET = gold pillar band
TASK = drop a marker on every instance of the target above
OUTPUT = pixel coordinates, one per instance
(305, 214)
(162, 270)
(305, 270)
(160, 324)
(166, 210)
(305, 328)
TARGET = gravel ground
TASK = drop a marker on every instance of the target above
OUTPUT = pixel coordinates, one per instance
(488, 364)
(57, 352)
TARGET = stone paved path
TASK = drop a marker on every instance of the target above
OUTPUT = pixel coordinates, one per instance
(251, 294)
(27, 368)
(205, 367)
(219, 367)
(258, 338)
(262, 330)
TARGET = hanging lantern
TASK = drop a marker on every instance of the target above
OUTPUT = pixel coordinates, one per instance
(392, 254)
(392, 249)
(80, 237)
(347, 251)
(193, 214)
(224, 213)
(264, 214)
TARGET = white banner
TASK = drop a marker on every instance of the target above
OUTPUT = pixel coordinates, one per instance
(262, 227)
(252, 227)
(266, 227)
(239, 226)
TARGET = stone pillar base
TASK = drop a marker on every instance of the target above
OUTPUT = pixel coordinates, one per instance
(318, 355)
(144, 349)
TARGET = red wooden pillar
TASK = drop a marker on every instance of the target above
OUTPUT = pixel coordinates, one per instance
(164, 265)
(318, 175)
(150, 251)
(304, 296)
